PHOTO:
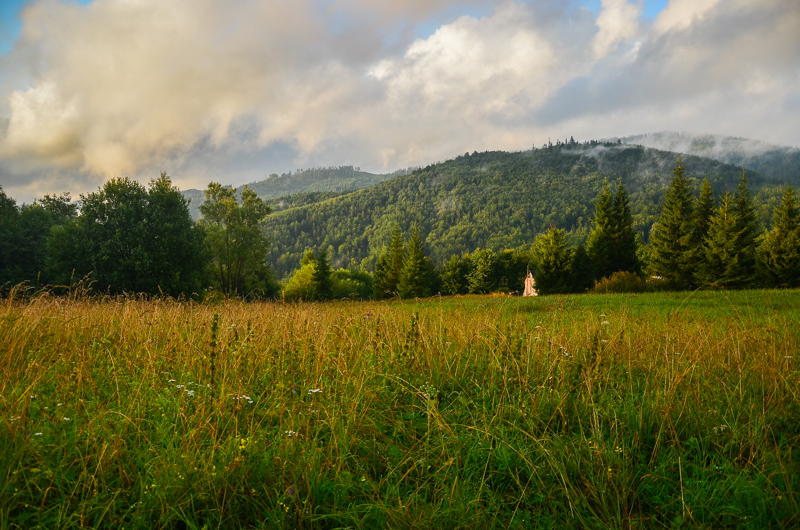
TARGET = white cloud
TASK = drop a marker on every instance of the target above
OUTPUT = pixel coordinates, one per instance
(682, 14)
(617, 22)
(238, 87)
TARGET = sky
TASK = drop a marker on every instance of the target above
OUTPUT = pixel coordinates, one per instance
(233, 90)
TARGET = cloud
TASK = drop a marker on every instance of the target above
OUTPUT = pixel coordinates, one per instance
(617, 22)
(234, 90)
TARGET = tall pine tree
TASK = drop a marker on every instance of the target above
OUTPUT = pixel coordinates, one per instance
(321, 278)
(747, 232)
(722, 261)
(581, 274)
(598, 245)
(612, 243)
(415, 276)
(671, 236)
(553, 259)
(625, 243)
(701, 216)
(779, 252)
(388, 267)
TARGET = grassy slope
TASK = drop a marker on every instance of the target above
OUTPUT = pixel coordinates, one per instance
(616, 411)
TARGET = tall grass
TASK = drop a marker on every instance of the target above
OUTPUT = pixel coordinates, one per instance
(578, 412)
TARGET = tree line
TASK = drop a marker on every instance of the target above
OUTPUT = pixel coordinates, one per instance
(126, 237)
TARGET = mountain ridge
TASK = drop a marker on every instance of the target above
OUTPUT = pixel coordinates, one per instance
(494, 200)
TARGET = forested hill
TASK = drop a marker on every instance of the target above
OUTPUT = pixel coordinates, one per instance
(492, 200)
(777, 163)
(330, 180)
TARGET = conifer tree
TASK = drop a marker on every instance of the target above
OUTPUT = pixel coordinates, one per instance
(779, 252)
(612, 243)
(624, 240)
(671, 236)
(722, 262)
(598, 245)
(388, 267)
(321, 278)
(415, 280)
(553, 259)
(581, 274)
(381, 288)
(747, 231)
(701, 218)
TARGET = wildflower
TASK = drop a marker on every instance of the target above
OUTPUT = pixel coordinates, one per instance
(171, 381)
(66, 419)
(290, 433)
(38, 434)
(315, 391)
(290, 491)
(605, 323)
(191, 393)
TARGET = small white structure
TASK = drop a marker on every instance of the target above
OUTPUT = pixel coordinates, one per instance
(530, 286)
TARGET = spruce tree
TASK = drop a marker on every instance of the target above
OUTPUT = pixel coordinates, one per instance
(612, 243)
(415, 278)
(671, 236)
(388, 267)
(322, 276)
(722, 261)
(747, 231)
(553, 259)
(581, 274)
(779, 252)
(380, 285)
(701, 216)
(625, 243)
(598, 245)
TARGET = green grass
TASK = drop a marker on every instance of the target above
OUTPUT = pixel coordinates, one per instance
(594, 411)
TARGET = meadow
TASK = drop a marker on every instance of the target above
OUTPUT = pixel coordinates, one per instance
(661, 410)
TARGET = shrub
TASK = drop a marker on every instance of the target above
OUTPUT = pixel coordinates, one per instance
(621, 282)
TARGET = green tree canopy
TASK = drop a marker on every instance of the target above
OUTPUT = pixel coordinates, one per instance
(416, 276)
(321, 279)
(389, 265)
(130, 238)
(779, 252)
(612, 243)
(722, 264)
(747, 231)
(670, 238)
(235, 240)
(553, 259)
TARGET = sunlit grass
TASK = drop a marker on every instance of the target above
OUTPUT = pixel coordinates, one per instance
(616, 411)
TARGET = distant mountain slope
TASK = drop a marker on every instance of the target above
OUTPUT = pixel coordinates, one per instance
(776, 163)
(491, 200)
(329, 180)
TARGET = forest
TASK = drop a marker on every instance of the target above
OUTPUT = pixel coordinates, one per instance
(580, 216)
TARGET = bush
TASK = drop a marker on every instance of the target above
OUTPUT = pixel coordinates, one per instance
(621, 282)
